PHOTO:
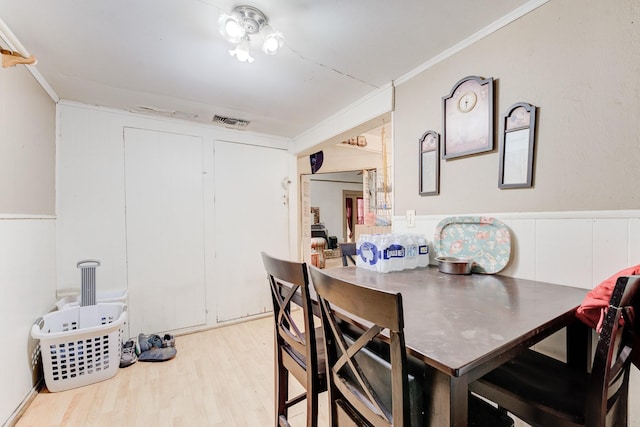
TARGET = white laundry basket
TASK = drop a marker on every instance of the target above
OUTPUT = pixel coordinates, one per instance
(101, 296)
(80, 345)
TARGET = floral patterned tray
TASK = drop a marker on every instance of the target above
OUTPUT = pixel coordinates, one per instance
(485, 240)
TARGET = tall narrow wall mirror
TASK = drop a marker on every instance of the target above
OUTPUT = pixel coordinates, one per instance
(517, 142)
(429, 145)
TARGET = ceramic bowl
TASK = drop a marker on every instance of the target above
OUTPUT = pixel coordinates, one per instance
(453, 265)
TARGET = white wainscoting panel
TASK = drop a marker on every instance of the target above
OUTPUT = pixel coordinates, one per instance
(564, 251)
(27, 291)
(610, 247)
(523, 231)
(570, 248)
(634, 241)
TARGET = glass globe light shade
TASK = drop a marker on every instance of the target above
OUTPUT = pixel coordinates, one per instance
(231, 27)
(241, 52)
(273, 40)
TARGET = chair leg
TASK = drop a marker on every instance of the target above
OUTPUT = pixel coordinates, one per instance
(333, 409)
(282, 422)
(281, 392)
(312, 407)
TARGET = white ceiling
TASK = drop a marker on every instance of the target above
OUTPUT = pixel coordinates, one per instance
(167, 55)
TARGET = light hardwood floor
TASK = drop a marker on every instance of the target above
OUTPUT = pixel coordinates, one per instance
(220, 377)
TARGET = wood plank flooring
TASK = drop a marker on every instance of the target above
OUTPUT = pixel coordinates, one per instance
(220, 377)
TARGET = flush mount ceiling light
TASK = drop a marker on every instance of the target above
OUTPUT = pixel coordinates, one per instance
(243, 23)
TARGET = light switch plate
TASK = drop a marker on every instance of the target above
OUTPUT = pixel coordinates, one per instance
(411, 218)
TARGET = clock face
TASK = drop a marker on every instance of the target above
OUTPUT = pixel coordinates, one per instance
(468, 118)
(467, 101)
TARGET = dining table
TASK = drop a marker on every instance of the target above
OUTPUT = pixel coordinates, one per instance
(463, 326)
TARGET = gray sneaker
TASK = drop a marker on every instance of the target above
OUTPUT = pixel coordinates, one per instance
(147, 342)
(128, 356)
(158, 354)
(168, 340)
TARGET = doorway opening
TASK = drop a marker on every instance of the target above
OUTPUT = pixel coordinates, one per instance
(334, 205)
(353, 211)
(362, 210)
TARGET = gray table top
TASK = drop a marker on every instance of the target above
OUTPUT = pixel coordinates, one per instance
(456, 323)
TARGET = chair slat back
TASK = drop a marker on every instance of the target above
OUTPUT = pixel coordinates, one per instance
(379, 311)
(609, 381)
(289, 283)
(348, 251)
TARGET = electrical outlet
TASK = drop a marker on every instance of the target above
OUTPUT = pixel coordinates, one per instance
(411, 218)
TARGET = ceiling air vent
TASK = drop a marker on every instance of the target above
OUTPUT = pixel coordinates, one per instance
(230, 122)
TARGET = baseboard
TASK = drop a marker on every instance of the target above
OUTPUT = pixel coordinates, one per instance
(20, 410)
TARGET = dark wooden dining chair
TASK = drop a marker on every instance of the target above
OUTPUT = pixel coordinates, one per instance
(372, 379)
(547, 392)
(299, 349)
(348, 251)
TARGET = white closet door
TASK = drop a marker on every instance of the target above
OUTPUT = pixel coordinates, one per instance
(251, 215)
(165, 232)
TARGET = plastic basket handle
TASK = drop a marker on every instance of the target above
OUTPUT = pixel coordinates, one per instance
(94, 262)
(37, 327)
(39, 322)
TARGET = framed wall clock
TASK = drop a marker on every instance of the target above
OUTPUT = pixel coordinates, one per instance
(516, 146)
(468, 118)
(429, 147)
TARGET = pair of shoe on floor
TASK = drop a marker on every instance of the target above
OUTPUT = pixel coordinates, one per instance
(148, 348)
(153, 348)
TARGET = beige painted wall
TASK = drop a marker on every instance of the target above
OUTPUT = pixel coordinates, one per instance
(27, 148)
(27, 228)
(578, 62)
